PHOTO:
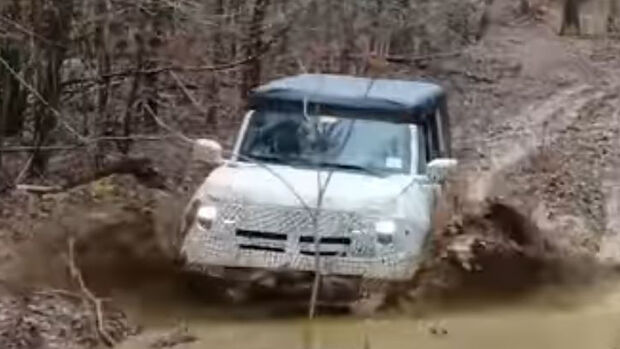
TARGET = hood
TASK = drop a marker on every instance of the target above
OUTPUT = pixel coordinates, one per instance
(346, 191)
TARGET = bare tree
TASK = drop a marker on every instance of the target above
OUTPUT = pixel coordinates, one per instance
(50, 20)
(570, 17)
(219, 57)
(221, 49)
(104, 67)
(613, 20)
(12, 95)
(252, 71)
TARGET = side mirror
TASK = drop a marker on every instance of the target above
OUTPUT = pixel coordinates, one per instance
(208, 151)
(439, 169)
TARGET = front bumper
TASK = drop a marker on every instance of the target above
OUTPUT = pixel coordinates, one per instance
(282, 239)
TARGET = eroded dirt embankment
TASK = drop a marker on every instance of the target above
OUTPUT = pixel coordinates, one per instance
(63, 253)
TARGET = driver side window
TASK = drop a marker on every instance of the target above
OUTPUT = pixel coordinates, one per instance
(429, 142)
(432, 138)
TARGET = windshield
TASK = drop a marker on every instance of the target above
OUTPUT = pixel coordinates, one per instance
(362, 145)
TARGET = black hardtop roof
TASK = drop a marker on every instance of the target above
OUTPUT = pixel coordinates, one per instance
(348, 93)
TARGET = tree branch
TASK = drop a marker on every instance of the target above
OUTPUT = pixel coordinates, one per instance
(187, 93)
(36, 93)
(200, 68)
(408, 59)
(31, 33)
(188, 140)
(177, 68)
(21, 149)
(97, 302)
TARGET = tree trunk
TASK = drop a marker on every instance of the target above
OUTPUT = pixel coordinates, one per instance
(6, 89)
(53, 21)
(2, 130)
(12, 93)
(124, 145)
(218, 58)
(613, 21)
(525, 7)
(136, 84)
(570, 18)
(104, 63)
(252, 71)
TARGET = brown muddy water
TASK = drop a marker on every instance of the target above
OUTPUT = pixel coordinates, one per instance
(553, 317)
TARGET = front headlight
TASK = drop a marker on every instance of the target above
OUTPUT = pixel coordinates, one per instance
(385, 227)
(385, 230)
(206, 216)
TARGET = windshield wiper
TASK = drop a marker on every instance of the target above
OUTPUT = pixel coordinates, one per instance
(267, 158)
(351, 167)
(279, 160)
(308, 163)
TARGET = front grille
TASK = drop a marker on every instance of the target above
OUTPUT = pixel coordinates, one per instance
(261, 248)
(324, 253)
(328, 246)
(261, 235)
(283, 229)
(261, 241)
(326, 240)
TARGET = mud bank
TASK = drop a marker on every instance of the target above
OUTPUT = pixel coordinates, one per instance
(52, 318)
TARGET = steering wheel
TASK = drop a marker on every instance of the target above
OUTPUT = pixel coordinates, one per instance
(284, 137)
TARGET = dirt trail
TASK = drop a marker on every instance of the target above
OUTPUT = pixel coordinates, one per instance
(527, 132)
(542, 147)
(534, 148)
(544, 59)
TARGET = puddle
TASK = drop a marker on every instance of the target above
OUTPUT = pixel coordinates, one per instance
(551, 318)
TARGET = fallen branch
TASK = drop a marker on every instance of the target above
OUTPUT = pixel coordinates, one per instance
(20, 149)
(31, 33)
(478, 77)
(163, 125)
(192, 142)
(59, 292)
(141, 168)
(186, 92)
(38, 189)
(96, 302)
(36, 93)
(178, 336)
(29, 148)
(24, 170)
(472, 76)
(409, 59)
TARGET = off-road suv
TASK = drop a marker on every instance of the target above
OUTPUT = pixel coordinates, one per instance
(328, 171)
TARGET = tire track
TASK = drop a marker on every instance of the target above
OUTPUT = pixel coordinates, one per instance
(531, 129)
(610, 242)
